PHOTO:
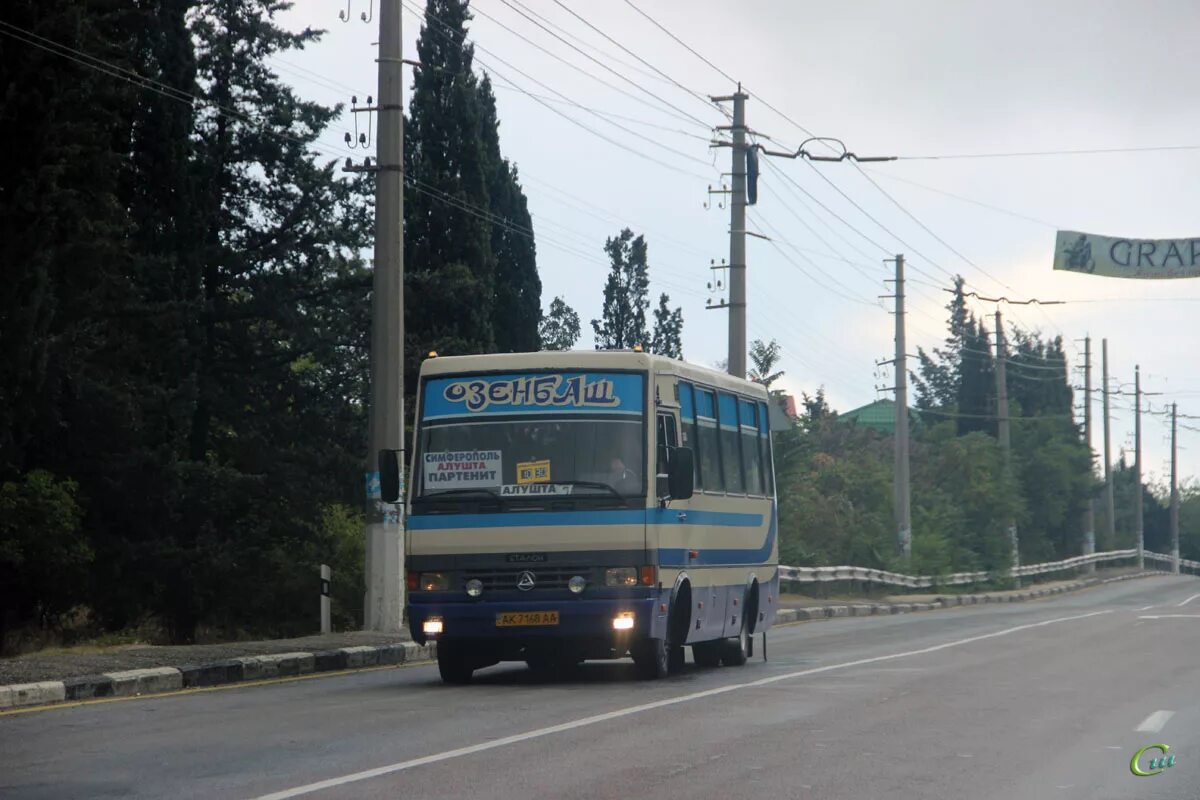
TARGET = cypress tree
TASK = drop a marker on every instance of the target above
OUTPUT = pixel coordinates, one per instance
(518, 297)
(623, 317)
(449, 264)
(667, 337)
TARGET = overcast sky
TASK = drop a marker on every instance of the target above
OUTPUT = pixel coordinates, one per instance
(912, 79)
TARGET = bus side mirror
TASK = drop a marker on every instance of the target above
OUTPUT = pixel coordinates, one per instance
(389, 476)
(681, 473)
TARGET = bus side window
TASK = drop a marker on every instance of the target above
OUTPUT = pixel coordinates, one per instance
(751, 457)
(764, 448)
(666, 438)
(706, 440)
(731, 459)
(687, 418)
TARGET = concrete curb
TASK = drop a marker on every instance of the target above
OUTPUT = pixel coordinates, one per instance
(788, 616)
(138, 682)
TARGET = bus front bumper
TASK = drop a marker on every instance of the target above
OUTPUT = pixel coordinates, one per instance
(576, 619)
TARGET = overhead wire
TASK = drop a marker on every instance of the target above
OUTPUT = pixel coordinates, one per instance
(568, 63)
(606, 67)
(552, 109)
(416, 184)
(1030, 153)
(590, 45)
(680, 42)
(702, 98)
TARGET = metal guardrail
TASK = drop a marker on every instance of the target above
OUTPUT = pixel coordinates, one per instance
(825, 574)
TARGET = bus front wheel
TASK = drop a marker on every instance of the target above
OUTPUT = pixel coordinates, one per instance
(454, 663)
(652, 658)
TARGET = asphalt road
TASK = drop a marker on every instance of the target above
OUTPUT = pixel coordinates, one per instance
(1031, 700)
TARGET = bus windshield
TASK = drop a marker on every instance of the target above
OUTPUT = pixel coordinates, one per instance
(535, 437)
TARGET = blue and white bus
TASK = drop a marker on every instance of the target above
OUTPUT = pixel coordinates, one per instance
(565, 506)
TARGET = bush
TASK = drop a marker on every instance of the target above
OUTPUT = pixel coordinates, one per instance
(43, 554)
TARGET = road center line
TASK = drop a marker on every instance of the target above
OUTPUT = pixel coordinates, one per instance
(1170, 616)
(1190, 599)
(1155, 722)
(624, 712)
(1145, 608)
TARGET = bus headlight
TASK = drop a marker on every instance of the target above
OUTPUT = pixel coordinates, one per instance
(474, 587)
(577, 584)
(621, 576)
(623, 621)
(432, 626)
(434, 581)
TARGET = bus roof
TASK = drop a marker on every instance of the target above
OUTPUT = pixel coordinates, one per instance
(588, 360)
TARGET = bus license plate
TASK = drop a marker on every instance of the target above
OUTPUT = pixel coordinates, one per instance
(514, 619)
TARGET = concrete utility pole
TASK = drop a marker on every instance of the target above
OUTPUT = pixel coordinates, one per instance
(1174, 493)
(1110, 523)
(1089, 512)
(1002, 431)
(1137, 465)
(900, 481)
(737, 236)
(384, 602)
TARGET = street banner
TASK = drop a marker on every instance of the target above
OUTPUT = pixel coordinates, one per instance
(1127, 258)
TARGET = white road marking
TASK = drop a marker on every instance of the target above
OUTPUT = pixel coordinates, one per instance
(1171, 616)
(1190, 599)
(538, 733)
(1145, 608)
(1155, 722)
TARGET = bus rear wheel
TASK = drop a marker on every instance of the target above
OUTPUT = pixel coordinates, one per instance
(454, 663)
(736, 651)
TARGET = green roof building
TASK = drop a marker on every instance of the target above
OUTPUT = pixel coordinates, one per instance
(880, 415)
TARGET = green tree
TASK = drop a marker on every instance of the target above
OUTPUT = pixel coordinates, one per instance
(559, 329)
(667, 336)
(450, 267)
(43, 553)
(63, 225)
(958, 378)
(763, 358)
(623, 318)
(518, 297)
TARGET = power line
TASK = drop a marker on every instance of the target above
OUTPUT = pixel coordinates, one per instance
(416, 184)
(601, 64)
(925, 227)
(796, 266)
(963, 199)
(613, 114)
(555, 111)
(589, 45)
(680, 42)
(625, 49)
(570, 64)
(994, 417)
(1028, 153)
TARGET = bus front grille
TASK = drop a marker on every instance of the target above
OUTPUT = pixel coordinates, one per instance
(544, 577)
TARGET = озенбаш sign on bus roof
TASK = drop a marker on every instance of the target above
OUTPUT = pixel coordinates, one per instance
(534, 393)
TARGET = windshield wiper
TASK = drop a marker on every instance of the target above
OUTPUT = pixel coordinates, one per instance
(451, 493)
(596, 485)
(472, 490)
